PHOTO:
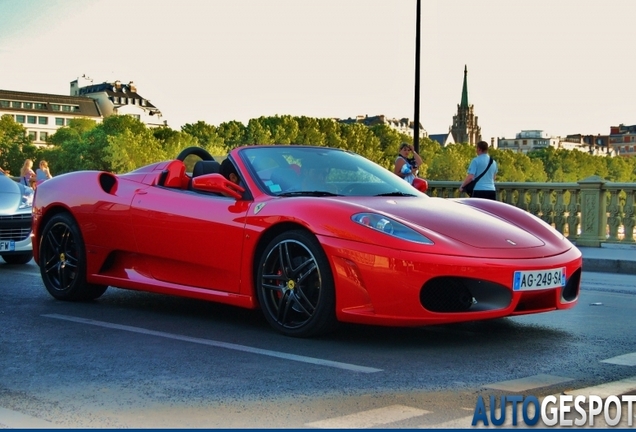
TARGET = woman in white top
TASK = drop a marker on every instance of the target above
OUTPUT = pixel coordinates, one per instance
(407, 163)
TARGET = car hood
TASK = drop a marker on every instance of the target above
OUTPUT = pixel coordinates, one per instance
(456, 221)
(10, 197)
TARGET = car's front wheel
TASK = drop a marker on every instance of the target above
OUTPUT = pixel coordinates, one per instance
(295, 285)
(22, 258)
(62, 261)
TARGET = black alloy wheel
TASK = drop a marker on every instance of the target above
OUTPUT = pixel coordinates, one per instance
(295, 286)
(63, 261)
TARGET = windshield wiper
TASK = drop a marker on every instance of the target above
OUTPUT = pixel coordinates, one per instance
(395, 194)
(308, 193)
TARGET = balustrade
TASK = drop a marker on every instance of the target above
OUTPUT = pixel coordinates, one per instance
(589, 213)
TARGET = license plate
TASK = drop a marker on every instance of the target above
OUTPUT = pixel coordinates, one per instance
(7, 245)
(539, 279)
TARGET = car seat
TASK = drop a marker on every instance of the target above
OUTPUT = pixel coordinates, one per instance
(173, 175)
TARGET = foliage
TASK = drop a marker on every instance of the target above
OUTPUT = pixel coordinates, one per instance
(123, 143)
(206, 136)
(15, 145)
(450, 163)
(128, 150)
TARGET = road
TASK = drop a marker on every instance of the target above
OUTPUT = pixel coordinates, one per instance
(142, 360)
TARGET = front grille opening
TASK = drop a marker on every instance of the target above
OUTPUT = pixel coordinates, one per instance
(456, 294)
(570, 291)
(537, 301)
(15, 227)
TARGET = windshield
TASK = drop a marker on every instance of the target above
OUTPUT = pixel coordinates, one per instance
(318, 171)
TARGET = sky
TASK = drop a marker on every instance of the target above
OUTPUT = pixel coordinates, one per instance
(561, 66)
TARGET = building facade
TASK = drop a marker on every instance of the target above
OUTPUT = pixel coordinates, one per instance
(529, 140)
(43, 114)
(623, 140)
(118, 98)
(465, 128)
(597, 145)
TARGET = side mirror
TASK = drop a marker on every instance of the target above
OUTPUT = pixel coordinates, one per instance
(216, 183)
(420, 184)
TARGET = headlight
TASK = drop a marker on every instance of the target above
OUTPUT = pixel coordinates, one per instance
(26, 201)
(390, 227)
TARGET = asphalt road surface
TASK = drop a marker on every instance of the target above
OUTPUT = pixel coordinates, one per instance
(140, 360)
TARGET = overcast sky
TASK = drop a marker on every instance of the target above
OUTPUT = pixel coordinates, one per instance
(562, 66)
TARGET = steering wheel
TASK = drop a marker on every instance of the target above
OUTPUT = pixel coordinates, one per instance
(197, 151)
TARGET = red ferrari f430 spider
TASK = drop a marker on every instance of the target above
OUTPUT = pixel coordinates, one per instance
(312, 236)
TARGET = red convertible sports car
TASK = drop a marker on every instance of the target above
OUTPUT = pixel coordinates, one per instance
(312, 236)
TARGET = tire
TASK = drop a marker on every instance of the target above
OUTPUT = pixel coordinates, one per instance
(16, 259)
(295, 286)
(63, 261)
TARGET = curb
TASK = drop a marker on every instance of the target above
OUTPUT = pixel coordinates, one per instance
(609, 266)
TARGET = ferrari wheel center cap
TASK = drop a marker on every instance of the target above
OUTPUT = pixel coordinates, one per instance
(62, 257)
(290, 284)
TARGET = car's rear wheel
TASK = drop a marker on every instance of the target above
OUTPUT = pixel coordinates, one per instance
(63, 261)
(22, 258)
(295, 285)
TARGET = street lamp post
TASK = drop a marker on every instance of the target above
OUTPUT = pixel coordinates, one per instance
(416, 115)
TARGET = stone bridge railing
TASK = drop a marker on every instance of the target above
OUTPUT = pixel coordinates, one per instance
(589, 212)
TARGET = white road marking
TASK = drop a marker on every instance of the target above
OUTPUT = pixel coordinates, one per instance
(370, 418)
(621, 387)
(231, 346)
(624, 360)
(528, 383)
(16, 420)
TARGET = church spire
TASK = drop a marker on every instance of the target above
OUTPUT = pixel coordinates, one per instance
(465, 128)
(464, 103)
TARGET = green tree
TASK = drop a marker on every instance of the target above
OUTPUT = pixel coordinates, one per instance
(390, 141)
(429, 149)
(96, 141)
(15, 145)
(69, 146)
(309, 132)
(206, 135)
(128, 150)
(359, 139)
(172, 142)
(232, 133)
(258, 133)
(282, 129)
(620, 169)
(450, 164)
(332, 132)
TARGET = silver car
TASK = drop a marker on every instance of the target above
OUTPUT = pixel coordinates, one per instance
(16, 200)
